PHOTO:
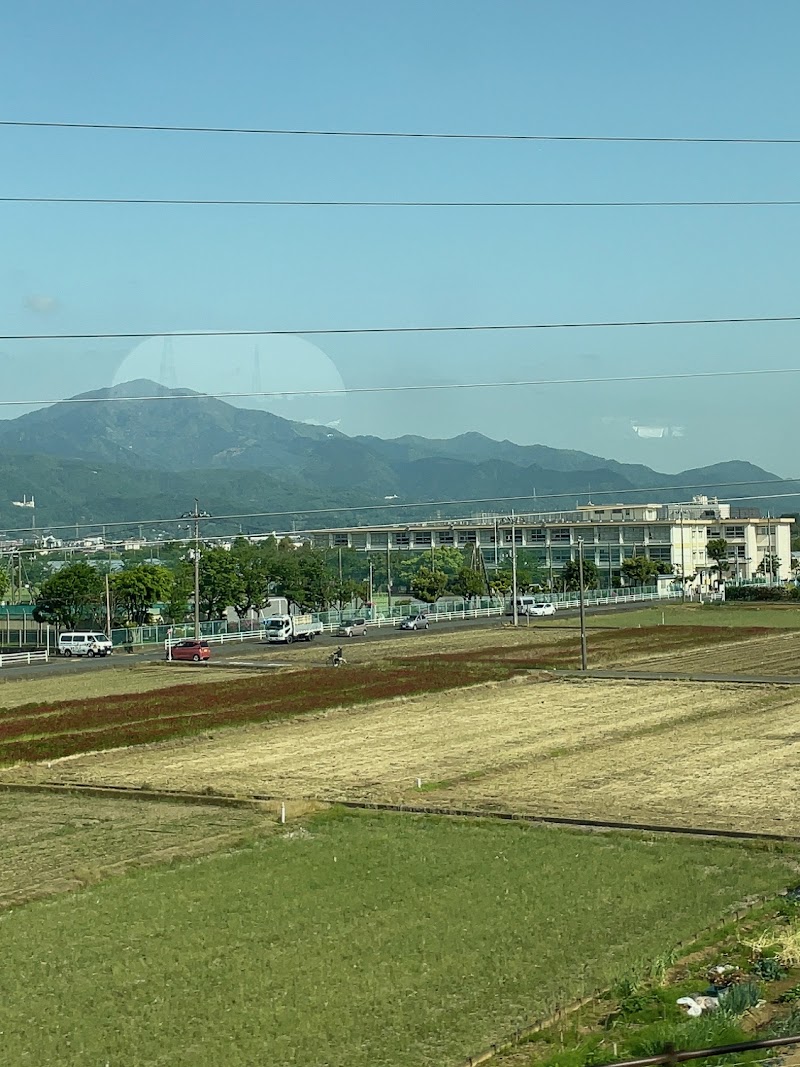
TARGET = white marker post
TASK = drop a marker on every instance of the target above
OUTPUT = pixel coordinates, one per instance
(283, 812)
(169, 644)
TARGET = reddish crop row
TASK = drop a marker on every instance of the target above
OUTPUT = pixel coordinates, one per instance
(79, 726)
(608, 645)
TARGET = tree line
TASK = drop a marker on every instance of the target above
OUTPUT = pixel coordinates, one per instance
(249, 575)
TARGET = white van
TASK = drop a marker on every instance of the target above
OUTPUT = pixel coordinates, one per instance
(84, 643)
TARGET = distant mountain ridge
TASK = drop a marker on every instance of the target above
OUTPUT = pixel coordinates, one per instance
(87, 461)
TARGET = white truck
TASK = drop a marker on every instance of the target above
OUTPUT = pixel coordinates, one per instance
(287, 628)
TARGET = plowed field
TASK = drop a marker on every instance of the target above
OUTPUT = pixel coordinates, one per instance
(670, 753)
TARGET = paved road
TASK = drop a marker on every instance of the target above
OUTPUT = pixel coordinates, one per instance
(237, 649)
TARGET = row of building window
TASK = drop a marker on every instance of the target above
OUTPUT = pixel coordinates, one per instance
(521, 536)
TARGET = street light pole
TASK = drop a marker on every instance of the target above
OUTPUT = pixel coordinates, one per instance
(514, 573)
(196, 568)
(683, 560)
(582, 604)
(388, 575)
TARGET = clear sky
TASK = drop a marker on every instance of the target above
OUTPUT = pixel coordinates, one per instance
(518, 66)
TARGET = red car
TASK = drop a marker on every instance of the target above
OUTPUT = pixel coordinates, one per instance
(190, 649)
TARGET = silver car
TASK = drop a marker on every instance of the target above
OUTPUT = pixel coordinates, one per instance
(352, 628)
(415, 622)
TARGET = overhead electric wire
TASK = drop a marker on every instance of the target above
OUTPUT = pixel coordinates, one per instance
(424, 388)
(570, 495)
(195, 202)
(351, 330)
(399, 134)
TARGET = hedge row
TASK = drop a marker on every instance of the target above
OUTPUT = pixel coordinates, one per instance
(772, 593)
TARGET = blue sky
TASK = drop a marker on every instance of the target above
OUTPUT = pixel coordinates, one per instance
(627, 68)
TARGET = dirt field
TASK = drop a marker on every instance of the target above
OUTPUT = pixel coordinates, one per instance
(55, 843)
(709, 755)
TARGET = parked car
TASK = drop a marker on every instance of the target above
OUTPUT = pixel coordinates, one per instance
(190, 649)
(89, 643)
(541, 609)
(415, 622)
(352, 628)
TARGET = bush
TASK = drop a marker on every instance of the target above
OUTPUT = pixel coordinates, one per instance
(769, 969)
(739, 998)
(770, 593)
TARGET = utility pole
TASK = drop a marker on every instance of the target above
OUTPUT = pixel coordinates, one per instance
(196, 568)
(388, 575)
(683, 560)
(108, 609)
(514, 573)
(341, 583)
(582, 604)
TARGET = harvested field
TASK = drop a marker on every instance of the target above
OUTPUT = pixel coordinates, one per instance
(777, 655)
(669, 753)
(46, 731)
(51, 844)
(142, 678)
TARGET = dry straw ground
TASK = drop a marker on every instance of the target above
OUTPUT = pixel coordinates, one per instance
(55, 843)
(669, 753)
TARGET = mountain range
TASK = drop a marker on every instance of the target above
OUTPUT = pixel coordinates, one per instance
(104, 457)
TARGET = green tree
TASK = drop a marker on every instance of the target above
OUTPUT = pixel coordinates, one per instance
(500, 582)
(136, 589)
(446, 560)
(571, 575)
(639, 570)
(717, 549)
(770, 565)
(467, 583)
(74, 594)
(220, 586)
(256, 568)
(428, 585)
(177, 606)
(306, 579)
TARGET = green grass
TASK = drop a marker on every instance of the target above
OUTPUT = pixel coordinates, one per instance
(785, 617)
(371, 939)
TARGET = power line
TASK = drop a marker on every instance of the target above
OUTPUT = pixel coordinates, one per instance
(571, 494)
(191, 202)
(441, 387)
(332, 331)
(399, 134)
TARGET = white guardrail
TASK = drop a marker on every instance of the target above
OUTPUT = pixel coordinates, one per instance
(19, 659)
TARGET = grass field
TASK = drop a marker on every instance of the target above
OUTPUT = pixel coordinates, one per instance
(357, 941)
(51, 844)
(668, 753)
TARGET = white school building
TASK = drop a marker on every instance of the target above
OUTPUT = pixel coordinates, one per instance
(672, 534)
